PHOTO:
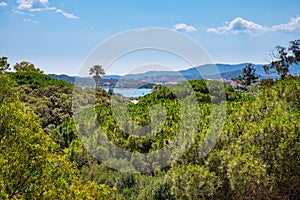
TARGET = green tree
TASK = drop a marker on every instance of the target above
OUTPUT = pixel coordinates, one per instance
(4, 65)
(31, 165)
(281, 64)
(283, 57)
(157, 87)
(25, 66)
(97, 71)
(193, 182)
(249, 178)
(295, 49)
(248, 77)
(267, 82)
(255, 157)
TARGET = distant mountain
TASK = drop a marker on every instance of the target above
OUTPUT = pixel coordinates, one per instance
(210, 71)
(224, 70)
(70, 79)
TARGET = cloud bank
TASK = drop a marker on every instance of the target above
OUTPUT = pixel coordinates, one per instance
(184, 27)
(41, 5)
(292, 26)
(242, 26)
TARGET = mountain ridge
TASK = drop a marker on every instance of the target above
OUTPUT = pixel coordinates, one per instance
(226, 71)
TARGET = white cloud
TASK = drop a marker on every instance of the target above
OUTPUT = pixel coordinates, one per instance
(32, 4)
(41, 9)
(242, 26)
(67, 15)
(3, 4)
(41, 5)
(239, 26)
(292, 26)
(184, 27)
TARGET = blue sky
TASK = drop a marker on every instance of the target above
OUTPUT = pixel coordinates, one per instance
(58, 35)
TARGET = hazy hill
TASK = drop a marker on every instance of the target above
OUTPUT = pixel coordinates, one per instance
(227, 71)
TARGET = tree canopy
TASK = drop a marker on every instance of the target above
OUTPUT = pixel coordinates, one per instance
(45, 152)
(4, 65)
(283, 58)
(96, 71)
(25, 66)
(31, 166)
(248, 77)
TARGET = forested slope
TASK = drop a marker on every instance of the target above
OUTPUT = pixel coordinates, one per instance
(42, 156)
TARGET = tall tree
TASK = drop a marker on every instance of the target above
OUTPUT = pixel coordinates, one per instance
(4, 65)
(283, 57)
(295, 49)
(249, 76)
(281, 64)
(97, 71)
(25, 66)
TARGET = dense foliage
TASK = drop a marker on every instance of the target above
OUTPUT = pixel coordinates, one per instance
(25, 66)
(32, 167)
(248, 77)
(256, 156)
(42, 156)
(283, 57)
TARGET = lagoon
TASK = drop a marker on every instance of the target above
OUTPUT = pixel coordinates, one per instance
(131, 92)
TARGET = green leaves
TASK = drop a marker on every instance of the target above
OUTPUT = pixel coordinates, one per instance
(255, 157)
(283, 58)
(248, 77)
(249, 178)
(25, 66)
(193, 182)
(4, 65)
(31, 166)
(96, 71)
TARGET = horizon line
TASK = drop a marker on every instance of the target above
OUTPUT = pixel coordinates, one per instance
(189, 67)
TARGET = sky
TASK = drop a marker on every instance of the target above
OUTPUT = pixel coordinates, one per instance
(58, 36)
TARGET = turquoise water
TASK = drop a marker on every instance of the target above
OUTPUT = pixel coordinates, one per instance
(131, 92)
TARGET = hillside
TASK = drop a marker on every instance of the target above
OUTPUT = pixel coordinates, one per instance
(227, 71)
(255, 155)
